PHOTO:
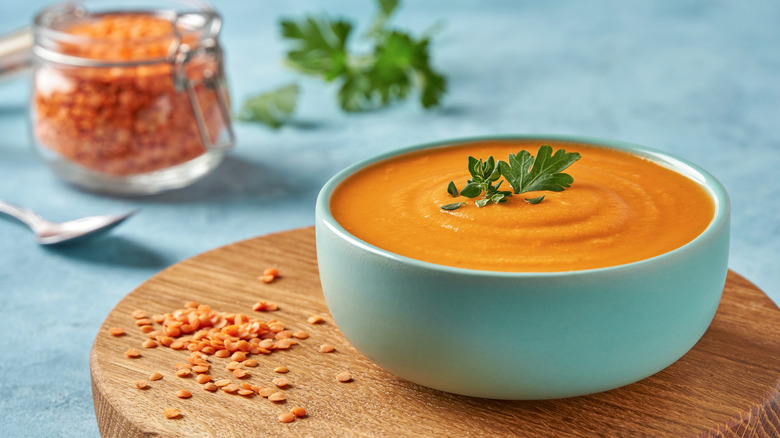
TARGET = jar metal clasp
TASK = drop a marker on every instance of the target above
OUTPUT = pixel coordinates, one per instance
(179, 55)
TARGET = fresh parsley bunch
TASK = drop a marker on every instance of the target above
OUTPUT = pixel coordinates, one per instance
(397, 65)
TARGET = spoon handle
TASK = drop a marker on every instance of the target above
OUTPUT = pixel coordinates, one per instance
(23, 214)
(15, 52)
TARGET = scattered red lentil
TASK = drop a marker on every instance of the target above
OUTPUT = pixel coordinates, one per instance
(284, 344)
(271, 271)
(230, 388)
(281, 382)
(148, 329)
(281, 369)
(172, 413)
(344, 376)
(298, 411)
(200, 369)
(141, 384)
(203, 378)
(266, 392)
(183, 372)
(210, 386)
(143, 321)
(149, 343)
(315, 319)
(249, 363)
(138, 314)
(326, 348)
(277, 397)
(245, 392)
(155, 376)
(132, 352)
(240, 373)
(263, 306)
(183, 393)
(116, 331)
(286, 417)
(300, 335)
(238, 356)
(222, 382)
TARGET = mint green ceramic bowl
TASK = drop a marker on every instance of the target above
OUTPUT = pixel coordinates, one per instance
(523, 335)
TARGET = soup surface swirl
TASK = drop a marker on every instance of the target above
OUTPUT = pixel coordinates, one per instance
(620, 209)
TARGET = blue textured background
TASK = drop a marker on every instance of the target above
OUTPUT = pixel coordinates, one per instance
(697, 78)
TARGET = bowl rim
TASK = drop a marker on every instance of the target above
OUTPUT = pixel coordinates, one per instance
(707, 181)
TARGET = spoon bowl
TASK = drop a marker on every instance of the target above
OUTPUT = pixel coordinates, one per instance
(53, 233)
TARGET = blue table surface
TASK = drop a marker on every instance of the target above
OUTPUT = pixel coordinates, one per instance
(700, 79)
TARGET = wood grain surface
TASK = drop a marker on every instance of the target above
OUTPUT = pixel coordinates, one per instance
(727, 385)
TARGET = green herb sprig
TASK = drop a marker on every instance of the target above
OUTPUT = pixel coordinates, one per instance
(523, 171)
(397, 64)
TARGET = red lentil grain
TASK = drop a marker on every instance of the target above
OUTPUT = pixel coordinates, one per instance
(210, 386)
(155, 376)
(141, 384)
(298, 411)
(230, 388)
(271, 271)
(138, 314)
(326, 348)
(286, 417)
(132, 352)
(344, 376)
(183, 372)
(183, 393)
(267, 278)
(281, 382)
(148, 329)
(116, 331)
(240, 373)
(281, 369)
(172, 413)
(245, 392)
(277, 397)
(149, 343)
(222, 382)
(300, 335)
(203, 378)
(200, 369)
(315, 319)
(238, 356)
(266, 392)
(249, 363)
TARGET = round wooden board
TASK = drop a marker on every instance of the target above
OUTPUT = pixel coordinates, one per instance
(727, 385)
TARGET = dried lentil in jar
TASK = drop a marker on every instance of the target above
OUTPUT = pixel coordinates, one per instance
(129, 93)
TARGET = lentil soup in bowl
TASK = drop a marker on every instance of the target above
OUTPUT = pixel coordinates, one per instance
(609, 278)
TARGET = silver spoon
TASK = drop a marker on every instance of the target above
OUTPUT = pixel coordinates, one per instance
(51, 233)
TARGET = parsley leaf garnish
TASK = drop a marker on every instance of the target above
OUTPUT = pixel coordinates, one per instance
(453, 206)
(523, 171)
(272, 108)
(528, 174)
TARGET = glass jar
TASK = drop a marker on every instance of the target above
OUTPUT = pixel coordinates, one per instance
(129, 101)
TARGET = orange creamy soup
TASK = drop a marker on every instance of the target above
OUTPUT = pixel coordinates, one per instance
(620, 209)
